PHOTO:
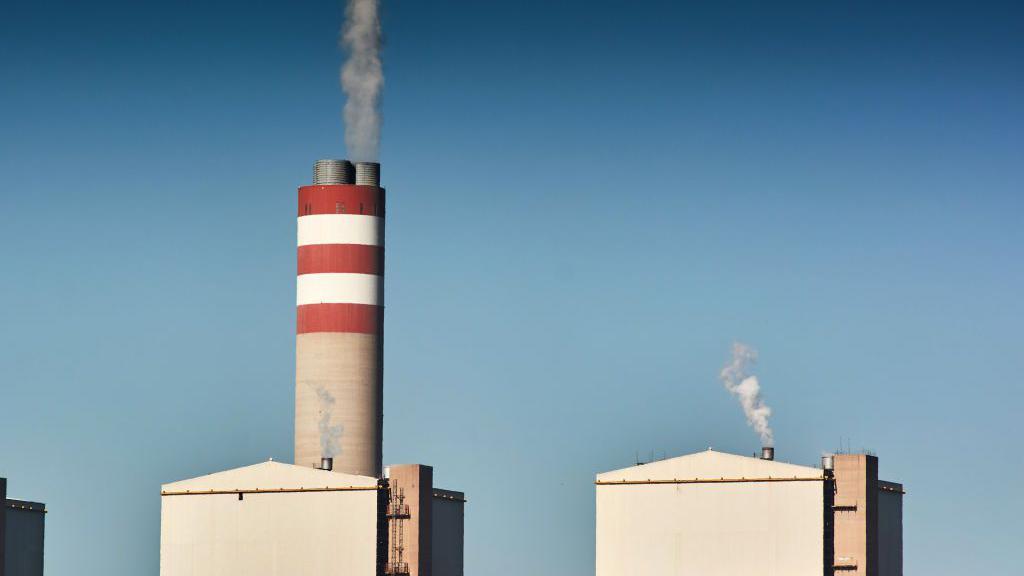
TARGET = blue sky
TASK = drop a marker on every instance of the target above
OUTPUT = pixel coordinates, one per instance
(588, 202)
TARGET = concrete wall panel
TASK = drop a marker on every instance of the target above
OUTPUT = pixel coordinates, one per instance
(24, 537)
(890, 530)
(706, 529)
(856, 501)
(338, 393)
(416, 482)
(270, 534)
(448, 527)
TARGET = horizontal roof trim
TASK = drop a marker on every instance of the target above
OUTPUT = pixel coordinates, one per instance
(456, 497)
(24, 505)
(270, 490)
(707, 481)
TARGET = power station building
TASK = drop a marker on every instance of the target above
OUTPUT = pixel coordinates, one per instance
(718, 514)
(335, 512)
(22, 530)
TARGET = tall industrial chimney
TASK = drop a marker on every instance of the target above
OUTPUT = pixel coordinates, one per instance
(340, 319)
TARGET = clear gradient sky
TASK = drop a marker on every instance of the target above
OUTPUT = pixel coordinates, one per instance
(588, 202)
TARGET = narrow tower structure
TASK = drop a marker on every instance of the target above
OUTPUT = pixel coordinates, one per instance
(340, 318)
(333, 513)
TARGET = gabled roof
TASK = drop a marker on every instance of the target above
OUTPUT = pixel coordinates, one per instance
(270, 476)
(710, 465)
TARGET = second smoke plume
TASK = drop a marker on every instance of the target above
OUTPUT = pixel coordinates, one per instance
(744, 386)
(362, 79)
(330, 434)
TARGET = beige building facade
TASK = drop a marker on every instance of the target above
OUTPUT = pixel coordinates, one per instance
(718, 514)
(868, 515)
(426, 524)
(272, 519)
(275, 519)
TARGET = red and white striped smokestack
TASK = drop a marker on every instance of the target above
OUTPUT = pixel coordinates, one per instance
(340, 319)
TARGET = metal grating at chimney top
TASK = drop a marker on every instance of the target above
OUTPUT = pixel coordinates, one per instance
(367, 174)
(333, 172)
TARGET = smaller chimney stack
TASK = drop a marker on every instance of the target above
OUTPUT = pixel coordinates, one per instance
(327, 463)
(331, 172)
(367, 174)
(767, 453)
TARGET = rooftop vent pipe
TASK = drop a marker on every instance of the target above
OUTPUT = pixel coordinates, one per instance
(327, 463)
(767, 453)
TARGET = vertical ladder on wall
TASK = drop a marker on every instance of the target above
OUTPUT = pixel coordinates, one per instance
(397, 513)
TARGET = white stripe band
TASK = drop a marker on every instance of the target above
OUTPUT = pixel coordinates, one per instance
(341, 229)
(340, 289)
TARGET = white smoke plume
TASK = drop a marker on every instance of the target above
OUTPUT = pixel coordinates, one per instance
(362, 79)
(738, 380)
(329, 435)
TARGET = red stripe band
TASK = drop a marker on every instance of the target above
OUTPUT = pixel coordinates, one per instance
(341, 199)
(350, 258)
(358, 318)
